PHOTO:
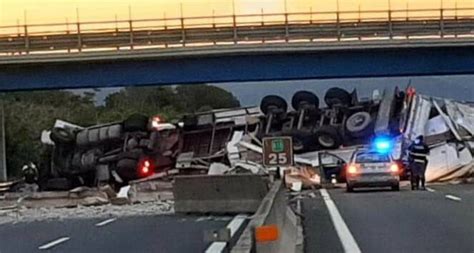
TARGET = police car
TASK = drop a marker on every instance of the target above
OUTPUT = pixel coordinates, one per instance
(372, 167)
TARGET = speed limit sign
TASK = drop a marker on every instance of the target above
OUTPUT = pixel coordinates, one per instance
(277, 151)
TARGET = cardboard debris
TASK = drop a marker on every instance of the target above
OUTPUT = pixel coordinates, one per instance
(297, 178)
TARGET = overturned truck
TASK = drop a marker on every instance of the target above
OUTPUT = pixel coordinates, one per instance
(139, 147)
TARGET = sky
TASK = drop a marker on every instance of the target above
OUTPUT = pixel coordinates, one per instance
(52, 11)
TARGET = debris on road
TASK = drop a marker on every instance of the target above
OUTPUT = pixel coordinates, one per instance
(305, 177)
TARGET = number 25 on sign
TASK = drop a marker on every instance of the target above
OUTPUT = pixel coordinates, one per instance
(277, 151)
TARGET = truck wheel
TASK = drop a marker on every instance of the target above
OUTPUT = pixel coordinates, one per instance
(337, 96)
(127, 169)
(359, 124)
(328, 137)
(302, 141)
(136, 122)
(62, 135)
(127, 163)
(301, 98)
(273, 102)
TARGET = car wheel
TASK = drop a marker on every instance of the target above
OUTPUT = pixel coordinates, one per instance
(359, 124)
(273, 102)
(337, 96)
(396, 187)
(62, 135)
(301, 98)
(328, 137)
(349, 188)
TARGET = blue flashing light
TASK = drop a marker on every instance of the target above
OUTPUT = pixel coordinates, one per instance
(383, 145)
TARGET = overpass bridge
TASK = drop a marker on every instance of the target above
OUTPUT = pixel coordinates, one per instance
(280, 46)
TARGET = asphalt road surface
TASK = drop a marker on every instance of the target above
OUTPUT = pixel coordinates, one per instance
(438, 220)
(131, 234)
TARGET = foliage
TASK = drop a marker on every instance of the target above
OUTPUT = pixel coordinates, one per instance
(27, 114)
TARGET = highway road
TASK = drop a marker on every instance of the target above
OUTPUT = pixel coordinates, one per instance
(438, 220)
(132, 234)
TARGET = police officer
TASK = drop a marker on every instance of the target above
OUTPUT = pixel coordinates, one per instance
(418, 158)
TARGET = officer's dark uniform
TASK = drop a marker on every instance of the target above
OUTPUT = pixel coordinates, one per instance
(418, 158)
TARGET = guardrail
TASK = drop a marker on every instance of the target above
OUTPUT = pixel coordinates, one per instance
(236, 29)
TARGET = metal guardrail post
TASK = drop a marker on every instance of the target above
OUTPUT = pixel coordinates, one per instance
(338, 25)
(183, 33)
(234, 26)
(79, 37)
(441, 22)
(390, 24)
(3, 157)
(287, 29)
(130, 30)
(27, 40)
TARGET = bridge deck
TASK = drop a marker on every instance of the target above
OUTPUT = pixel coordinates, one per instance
(45, 40)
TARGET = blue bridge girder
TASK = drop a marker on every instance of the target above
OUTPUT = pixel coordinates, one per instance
(239, 63)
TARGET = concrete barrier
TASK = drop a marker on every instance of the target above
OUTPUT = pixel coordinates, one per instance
(274, 210)
(219, 193)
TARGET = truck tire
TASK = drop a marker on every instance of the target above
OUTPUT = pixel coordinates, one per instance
(337, 96)
(302, 141)
(62, 135)
(328, 137)
(93, 136)
(136, 123)
(273, 102)
(104, 134)
(359, 124)
(301, 98)
(127, 163)
(114, 132)
(82, 138)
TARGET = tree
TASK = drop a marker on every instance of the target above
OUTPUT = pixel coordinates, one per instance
(196, 97)
(27, 114)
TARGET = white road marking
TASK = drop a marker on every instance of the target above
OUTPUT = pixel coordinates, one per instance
(105, 222)
(53, 243)
(452, 197)
(216, 247)
(233, 226)
(430, 189)
(348, 242)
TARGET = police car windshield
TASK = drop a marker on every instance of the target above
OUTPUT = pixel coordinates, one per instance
(371, 157)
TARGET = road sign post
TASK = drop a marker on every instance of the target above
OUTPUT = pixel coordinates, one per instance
(277, 151)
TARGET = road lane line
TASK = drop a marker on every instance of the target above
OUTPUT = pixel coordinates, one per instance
(233, 226)
(452, 197)
(53, 243)
(348, 242)
(105, 222)
(430, 189)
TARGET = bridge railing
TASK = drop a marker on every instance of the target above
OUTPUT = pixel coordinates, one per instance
(236, 29)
